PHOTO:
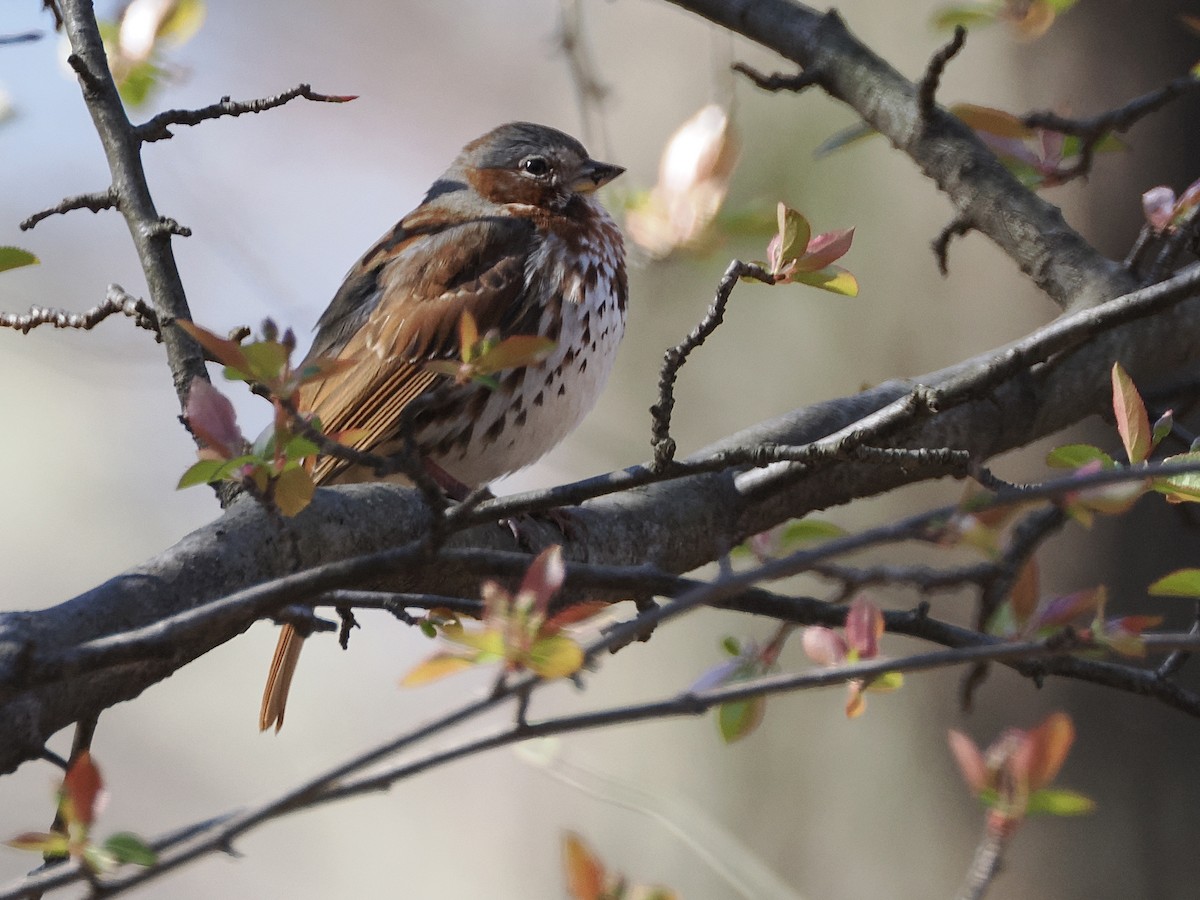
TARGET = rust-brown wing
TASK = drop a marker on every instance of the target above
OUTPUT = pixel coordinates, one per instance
(400, 307)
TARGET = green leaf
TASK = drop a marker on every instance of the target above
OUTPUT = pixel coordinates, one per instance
(1072, 456)
(1184, 488)
(53, 843)
(1003, 622)
(1061, 6)
(1162, 428)
(1058, 802)
(15, 258)
(203, 472)
(294, 490)
(967, 17)
(98, 859)
(794, 231)
(1180, 583)
(139, 82)
(740, 718)
(184, 21)
(834, 279)
(436, 667)
(299, 447)
(887, 682)
(803, 531)
(516, 351)
(127, 847)
(556, 656)
(265, 361)
(1133, 423)
(210, 471)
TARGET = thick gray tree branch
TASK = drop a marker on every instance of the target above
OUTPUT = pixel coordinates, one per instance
(1031, 231)
(674, 525)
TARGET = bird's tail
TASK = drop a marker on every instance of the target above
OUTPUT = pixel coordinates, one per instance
(279, 678)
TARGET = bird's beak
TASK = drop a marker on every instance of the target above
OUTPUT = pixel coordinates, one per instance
(593, 174)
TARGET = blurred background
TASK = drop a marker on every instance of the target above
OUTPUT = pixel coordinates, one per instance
(281, 204)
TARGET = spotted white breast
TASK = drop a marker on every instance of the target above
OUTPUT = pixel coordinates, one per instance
(581, 279)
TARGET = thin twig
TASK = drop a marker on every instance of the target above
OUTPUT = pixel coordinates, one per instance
(116, 301)
(158, 128)
(673, 359)
(957, 227)
(218, 833)
(590, 92)
(95, 202)
(985, 866)
(1093, 130)
(927, 90)
(779, 81)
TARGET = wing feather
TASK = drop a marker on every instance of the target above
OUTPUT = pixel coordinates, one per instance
(400, 308)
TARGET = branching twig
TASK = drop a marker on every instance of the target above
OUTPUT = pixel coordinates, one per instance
(673, 359)
(1092, 131)
(340, 782)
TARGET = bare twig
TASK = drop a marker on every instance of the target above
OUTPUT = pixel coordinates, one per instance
(22, 38)
(957, 227)
(985, 866)
(1172, 665)
(779, 81)
(927, 91)
(673, 359)
(95, 202)
(116, 301)
(158, 128)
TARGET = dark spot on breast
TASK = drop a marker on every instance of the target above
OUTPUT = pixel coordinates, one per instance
(562, 389)
(539, 399)
(519, 420)
(583, 362)
(494, 431)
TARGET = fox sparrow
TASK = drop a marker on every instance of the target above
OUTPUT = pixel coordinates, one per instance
(513, 235)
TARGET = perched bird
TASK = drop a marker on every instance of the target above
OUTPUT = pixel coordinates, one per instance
(513, 235)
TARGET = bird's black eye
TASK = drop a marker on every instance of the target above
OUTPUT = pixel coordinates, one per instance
(536, 166)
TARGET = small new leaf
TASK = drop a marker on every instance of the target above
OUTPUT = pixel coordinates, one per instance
(126, 847)
(1059, 802)
(1180, 583)
(15, 258)
(740, 718)
(1072, 456)
(1133, 424)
